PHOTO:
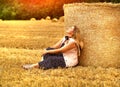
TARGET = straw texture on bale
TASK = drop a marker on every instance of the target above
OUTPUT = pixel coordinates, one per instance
(99, 24)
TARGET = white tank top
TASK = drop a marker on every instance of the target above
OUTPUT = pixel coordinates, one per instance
(70, 56)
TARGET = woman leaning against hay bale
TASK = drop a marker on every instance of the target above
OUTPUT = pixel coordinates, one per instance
(63, 54)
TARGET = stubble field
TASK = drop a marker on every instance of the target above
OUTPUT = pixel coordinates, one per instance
(21, 42)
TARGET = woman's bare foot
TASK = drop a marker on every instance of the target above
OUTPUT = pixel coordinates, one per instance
(30, 66)
(27, 66)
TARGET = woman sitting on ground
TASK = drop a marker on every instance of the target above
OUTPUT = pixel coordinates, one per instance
(63, 54)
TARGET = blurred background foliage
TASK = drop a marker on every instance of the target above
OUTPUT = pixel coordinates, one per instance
(26, 9)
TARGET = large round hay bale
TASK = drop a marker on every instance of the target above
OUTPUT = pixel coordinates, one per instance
(99, 24)
(61, 19)
(54, 20)
(32, 19)
(48, 18)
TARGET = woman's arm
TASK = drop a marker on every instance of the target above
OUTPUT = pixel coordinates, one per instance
(57, 45)
(62, 49)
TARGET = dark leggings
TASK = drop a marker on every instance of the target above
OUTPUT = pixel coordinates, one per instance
(52, 60)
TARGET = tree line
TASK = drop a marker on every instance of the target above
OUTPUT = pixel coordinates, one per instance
(26, 9)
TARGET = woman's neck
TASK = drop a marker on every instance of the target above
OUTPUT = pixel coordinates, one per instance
(69, 35)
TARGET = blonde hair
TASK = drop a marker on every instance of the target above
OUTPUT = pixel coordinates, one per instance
(76, 34)
(77, 37)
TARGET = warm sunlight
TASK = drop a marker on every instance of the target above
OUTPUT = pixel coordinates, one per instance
(36, 50)
(37, 2)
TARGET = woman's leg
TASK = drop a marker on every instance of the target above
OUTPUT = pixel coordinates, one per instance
(29, 66)
(52, 62)
(36, 65)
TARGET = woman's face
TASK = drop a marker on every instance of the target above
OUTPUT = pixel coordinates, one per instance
(70, 31)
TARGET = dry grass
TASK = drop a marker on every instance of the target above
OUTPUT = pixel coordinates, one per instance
(30, 34)
(12, 57)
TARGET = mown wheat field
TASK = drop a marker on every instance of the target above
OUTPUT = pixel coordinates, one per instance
(21, 42)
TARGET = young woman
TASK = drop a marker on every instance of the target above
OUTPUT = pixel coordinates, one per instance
(63, 54)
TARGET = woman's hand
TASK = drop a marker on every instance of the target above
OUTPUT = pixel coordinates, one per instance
(44, 52)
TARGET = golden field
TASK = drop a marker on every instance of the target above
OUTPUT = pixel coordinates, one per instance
(21, 42)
